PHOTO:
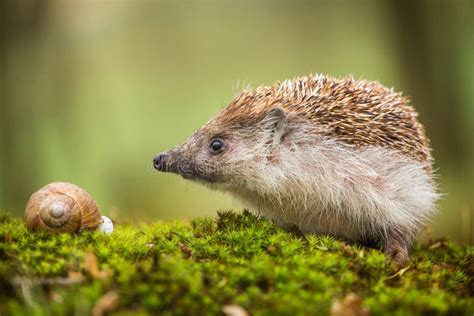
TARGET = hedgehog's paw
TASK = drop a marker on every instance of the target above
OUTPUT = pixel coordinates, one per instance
(399, 256)
(396, 248)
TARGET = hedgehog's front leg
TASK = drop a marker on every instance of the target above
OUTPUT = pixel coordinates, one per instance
(397, 244)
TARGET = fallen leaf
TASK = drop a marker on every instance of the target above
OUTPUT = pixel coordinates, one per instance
(55, 296)
(399, 272)
(91, 265)
(75, 276)
(350, 305)
(347, 250)
(272, 249)
(234, 310)
(107, 303)
(185, 250)
(439, 244)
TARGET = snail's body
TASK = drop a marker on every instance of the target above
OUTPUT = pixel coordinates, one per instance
(333, 156)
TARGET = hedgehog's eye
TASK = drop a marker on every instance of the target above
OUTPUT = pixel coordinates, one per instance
(216, 146)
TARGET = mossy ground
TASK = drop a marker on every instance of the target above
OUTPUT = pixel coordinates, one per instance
(235, 259)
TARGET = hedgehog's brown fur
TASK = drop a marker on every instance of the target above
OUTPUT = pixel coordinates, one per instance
(358, 113)
(335, 156)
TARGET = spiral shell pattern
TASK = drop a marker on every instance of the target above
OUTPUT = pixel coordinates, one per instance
(62, 207)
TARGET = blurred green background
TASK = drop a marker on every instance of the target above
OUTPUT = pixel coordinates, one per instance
(91, 90)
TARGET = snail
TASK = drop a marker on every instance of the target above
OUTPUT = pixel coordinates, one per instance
(64, 207)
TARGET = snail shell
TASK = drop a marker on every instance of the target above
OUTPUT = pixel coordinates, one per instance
(62, 207)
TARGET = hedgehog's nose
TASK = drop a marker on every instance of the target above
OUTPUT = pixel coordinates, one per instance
(159, 162)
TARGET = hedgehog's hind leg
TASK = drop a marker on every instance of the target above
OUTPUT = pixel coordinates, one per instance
(397, 244)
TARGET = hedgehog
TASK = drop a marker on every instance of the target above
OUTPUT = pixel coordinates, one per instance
(335, 156)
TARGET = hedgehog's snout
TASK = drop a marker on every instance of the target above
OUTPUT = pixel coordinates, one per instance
(172, 161)
(160, 162)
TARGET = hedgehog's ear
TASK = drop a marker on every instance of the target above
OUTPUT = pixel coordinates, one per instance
(275, 122)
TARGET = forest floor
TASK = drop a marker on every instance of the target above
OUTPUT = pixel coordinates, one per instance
(236, 264)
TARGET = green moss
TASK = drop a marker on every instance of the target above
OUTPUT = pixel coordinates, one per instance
(238, 258)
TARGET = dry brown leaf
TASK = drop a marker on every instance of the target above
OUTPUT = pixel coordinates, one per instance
(91, 265)
(185, 250)
(75, 276)
(399, 272)
(234, 310)
(272, 249)
(350, 305)
(439, 244)
(107, 303)
(347, 250)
